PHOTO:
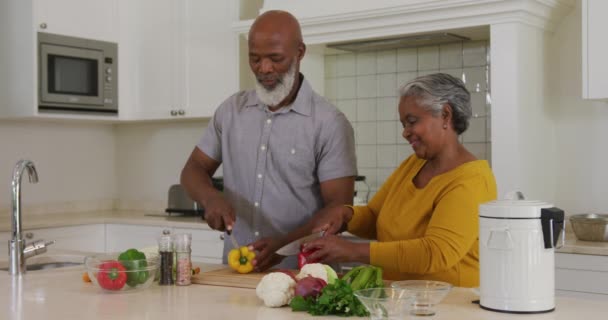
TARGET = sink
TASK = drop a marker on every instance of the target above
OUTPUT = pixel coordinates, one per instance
(47, 265)
(49, 261)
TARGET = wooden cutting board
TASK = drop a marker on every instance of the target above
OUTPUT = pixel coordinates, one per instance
(227, 277)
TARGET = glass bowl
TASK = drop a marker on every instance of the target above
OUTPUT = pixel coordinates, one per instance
(385, 303)
(113, 275)
(426, 294)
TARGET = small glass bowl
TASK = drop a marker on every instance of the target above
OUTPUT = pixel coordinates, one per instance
(131, 275)
(426, 294)
(385, 303)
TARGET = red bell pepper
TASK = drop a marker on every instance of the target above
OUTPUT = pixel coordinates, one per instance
(112, 275)
(303, 257)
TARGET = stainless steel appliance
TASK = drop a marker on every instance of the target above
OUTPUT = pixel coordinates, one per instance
(517, 241)
(77, 75)
(180, 204)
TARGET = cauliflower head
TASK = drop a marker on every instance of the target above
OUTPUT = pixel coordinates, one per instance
(276, 289)
(318, 270)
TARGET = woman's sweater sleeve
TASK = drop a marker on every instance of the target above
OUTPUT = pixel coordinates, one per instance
(363, 222)
(452, 230)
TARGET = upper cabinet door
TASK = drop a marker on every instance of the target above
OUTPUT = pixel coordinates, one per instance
(211, 56)
(148, 52)
(595, 49)
(91, 19)
(178, 58)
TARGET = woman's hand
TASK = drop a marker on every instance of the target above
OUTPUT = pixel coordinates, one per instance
(332, 220)
(332, 248)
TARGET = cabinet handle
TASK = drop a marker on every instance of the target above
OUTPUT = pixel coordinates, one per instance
(29, 235)
(43, 25)
(174, 112)
(181, 112)
(166, 231)
(222, 236)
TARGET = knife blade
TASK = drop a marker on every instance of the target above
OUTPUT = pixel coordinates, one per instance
(235, 243)
(293, 248)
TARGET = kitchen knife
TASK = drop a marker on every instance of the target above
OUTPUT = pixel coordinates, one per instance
(293, 248)
(235, 244)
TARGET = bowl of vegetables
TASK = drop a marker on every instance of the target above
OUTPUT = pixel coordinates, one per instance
(126, 271)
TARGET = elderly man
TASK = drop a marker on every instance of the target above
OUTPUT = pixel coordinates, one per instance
(286, 152)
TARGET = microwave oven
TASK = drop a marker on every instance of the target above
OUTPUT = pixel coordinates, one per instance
(77, 75)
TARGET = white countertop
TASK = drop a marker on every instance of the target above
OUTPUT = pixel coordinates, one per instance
(148, 218)
(61, 294)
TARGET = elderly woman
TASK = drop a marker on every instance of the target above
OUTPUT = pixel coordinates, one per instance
(425, 216)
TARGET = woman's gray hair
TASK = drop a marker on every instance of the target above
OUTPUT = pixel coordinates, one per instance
(437, 89)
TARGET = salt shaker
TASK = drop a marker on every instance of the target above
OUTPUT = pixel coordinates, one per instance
(183, 252)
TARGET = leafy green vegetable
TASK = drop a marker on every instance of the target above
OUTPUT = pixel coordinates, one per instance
(335, 299)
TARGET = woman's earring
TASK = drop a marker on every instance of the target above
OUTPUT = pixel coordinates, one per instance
(445, 126)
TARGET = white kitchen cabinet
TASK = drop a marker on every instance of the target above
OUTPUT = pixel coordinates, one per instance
(206, 244)
(577, 274)
(91, 19)
(595, 49)
(178, 58)
(85, 238)
(20, 22)
(120, 237)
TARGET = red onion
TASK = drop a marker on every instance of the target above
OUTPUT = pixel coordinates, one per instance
(309, 287)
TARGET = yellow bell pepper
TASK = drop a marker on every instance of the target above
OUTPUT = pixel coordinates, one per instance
(240, 259)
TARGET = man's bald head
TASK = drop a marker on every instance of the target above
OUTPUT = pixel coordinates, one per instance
(277, 24)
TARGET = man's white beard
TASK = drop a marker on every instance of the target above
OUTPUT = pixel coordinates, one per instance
(273, 97)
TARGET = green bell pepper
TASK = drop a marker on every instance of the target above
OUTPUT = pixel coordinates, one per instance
(134, 260)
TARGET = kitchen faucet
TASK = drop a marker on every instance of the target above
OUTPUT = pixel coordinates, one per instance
(18, 250)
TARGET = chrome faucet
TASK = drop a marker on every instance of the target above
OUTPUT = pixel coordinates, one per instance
(18, 250)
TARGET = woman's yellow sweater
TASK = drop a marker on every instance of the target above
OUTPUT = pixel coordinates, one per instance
(427, 233)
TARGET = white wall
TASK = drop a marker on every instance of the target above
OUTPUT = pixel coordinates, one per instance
(75, 162)
(581, 125)
(149, 159)
(312, 8)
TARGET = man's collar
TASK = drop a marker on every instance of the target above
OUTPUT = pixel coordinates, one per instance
(301, 105)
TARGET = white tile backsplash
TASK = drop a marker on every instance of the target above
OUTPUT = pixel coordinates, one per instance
(450, 56)
(428, 58)
(349, 108)
(331, 66)
(386, 61)
(474, 53)
(387, 132)
(476, 131)
(347, 88)
(387, 85)
(346, 65)
(475, 79)
(366, 63)
(387, 156)
(386, 108)
(365, 87)
(366, 109)
(405, 77)
(331, 88)
(366, 133)
(366, 156)
(478, 103)
(407, 59)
